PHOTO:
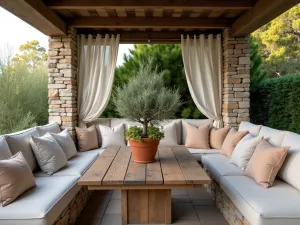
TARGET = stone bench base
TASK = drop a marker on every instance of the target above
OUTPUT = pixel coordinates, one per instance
(75, 207)
(228, 209)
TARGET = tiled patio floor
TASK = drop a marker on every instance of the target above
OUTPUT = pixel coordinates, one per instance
(189, 207)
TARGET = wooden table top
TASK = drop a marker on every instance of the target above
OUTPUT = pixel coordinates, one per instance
(173, 166)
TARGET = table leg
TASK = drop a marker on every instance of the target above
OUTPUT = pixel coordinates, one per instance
(146, 206)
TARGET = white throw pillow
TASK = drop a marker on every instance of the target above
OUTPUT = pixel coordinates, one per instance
(112, 136)
(48, 153)
(170, 135)
(244, 150)
(66, 142)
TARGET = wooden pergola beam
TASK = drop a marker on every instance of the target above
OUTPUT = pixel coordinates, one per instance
(37, 14)
(154, 22)
(263, 12)
(182, 4)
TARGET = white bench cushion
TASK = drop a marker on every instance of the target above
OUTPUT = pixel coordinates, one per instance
(289, 171)
(51, 128)
(43, 204)
(77, 165)
(4, 149)
(198, 153)
(277, 205)
(273, 136)
(253, 129)
(218, 165)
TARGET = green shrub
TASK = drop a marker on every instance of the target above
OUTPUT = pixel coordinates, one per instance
(276, 103)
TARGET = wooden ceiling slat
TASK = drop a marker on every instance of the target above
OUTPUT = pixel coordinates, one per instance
(149, 12)
(158, 12)
(167, 12)
(215, 13)
(151, 22)
(83, 12)
(111, 12)
(121, 12)
(173, 4)
(93, 12)
(177, 12)
(186, 13)
(102, 12)
(140, 13)
(130, 12)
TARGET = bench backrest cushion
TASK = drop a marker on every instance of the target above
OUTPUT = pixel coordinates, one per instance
(289, 171)
(48, 128)
(20, 141)
(196, 123)
(4, 149)
(252, 129)
(101, 121)
(273, 136)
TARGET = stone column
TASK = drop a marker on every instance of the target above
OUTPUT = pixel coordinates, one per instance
(62, 83)
(236, 95)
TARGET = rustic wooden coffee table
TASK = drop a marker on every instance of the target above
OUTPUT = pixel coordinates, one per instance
(146, 188)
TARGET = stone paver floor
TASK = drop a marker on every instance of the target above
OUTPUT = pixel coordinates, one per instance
(189, 207)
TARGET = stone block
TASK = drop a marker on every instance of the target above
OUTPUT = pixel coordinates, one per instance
(67, 92)
(55, 119)
(230, 106)
(243, 105)
(232, 80)
(59, 110)
(52, 53)
(56, 102)
(242, 94)
(55, 44)
(64, 66)
(56, 86)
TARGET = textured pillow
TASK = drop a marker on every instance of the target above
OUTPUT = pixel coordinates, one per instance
(112, 136)
(87, 138)
(250, 127)
(244, 150)
(66, 142)
(217, 137)
(21, 142)
(197, 137)
(232, 139)
(15, 178)
(170, 133)
(48, 128)
(265, 163)
(48, 153)
(4, 149)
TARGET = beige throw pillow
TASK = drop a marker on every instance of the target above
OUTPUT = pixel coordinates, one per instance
(87, 138)
(217, 137)
(265, 163)
(231, 140)
(48, 153)
(197, 137)
(15, 178)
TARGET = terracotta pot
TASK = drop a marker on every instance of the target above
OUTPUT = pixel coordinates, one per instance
(145, 151)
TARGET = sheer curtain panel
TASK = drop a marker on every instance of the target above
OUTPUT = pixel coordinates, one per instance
(98, 58)
(202, 58)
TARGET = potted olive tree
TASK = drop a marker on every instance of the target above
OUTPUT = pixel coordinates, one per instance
(146, 100)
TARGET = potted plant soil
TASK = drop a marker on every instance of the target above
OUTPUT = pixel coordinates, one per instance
(145, 99)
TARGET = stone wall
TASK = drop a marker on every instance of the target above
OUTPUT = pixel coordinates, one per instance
(62, 84)
(236, 95)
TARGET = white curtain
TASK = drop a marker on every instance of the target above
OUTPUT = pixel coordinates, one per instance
(202, 58)
(98, 58)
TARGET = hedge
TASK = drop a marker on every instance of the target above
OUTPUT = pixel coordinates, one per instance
(276, 103)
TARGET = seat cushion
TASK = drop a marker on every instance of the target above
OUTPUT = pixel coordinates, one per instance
(218, 165)
(4, 149)
(277, 205)
(42, 204)
(198, 153)
(48, 128)
(250, 127)
(195, 122)
(273, 136)
(289, 171)
(77, 165)
(20, 141)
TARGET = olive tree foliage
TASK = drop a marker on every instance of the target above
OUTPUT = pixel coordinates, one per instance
(145, 99)
(23, 89)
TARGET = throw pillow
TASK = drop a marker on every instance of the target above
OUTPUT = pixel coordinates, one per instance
(48, 153)
(170, 133)
(66, 142)
(4, 149)
(87, 138)
(217, 137)
(265, 163)
(232, 139)
(197, 137)
(244, 150)
(112, 136)
(48, 128)
(15, 178)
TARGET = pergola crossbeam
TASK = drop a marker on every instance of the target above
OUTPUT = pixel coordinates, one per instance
(263, 12)
(154, 22)
(136, 4)
(37, 14)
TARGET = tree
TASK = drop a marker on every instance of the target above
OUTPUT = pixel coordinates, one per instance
(168, 60)
(279, 43)
(23, 90)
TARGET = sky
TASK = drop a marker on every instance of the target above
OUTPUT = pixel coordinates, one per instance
(15, 32)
